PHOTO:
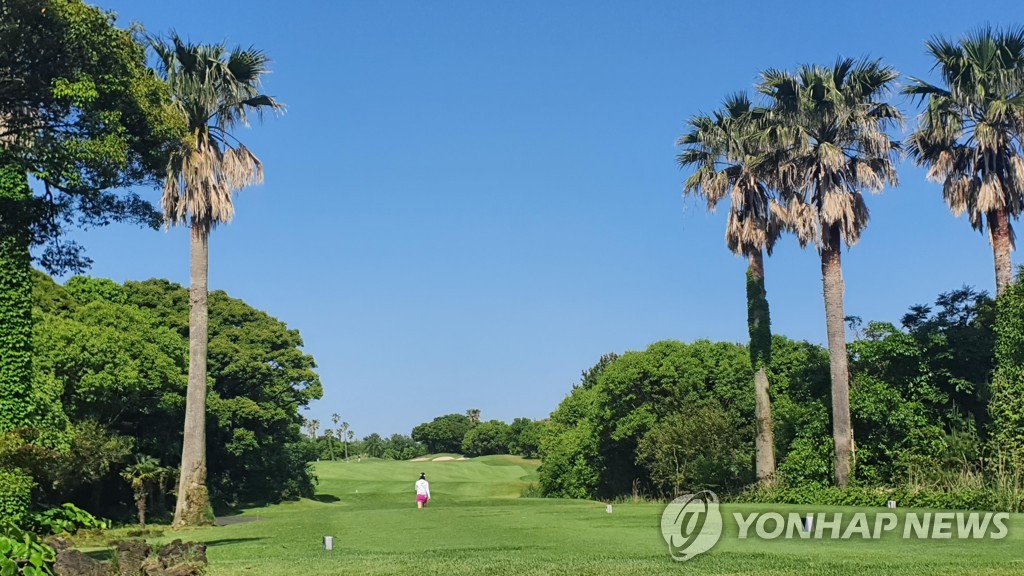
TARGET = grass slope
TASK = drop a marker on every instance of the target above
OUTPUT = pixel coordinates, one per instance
(476, 525)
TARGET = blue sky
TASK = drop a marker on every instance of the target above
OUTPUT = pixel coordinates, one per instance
(467, 203)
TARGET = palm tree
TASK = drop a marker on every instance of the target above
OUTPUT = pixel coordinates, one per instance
(732, 157)
(313, 426)
(344, 436)
(335, 418)
(216, 89)
(329, 434)
(474, 416)
(144, 476)
(834, 132)
(970, 133)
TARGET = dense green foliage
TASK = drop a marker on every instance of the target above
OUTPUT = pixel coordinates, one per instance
(443, 434)
(491, 437)
(23, 554)
(1007, 407)
(759, 323)
(678, 417)
(16, 410)
(15, 494)
(66, 519)
(83, 114)
(115, 359)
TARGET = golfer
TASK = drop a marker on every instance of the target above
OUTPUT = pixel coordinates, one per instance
(422, 490)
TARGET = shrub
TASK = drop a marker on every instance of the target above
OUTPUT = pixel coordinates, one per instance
(22, 554)
(63, 519)
(15, 495)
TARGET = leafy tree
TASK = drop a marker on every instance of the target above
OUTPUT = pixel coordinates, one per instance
(474, 416)
(216, 89)
(733, 157)
(696, 450)
(970, 133)
(402, 447)
(590, 447)
(374, 445)
(443, 434)
(491, 437)
(83, 115)
(525, 437)
(120, 368)
(836, 147)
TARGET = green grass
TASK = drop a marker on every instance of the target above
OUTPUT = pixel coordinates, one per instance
(476, 525)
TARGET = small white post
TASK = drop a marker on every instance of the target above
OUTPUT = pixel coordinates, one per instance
(328, 543)
(890, 504)
(608, 508)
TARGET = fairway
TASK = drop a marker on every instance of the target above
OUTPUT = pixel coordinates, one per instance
(476, 524)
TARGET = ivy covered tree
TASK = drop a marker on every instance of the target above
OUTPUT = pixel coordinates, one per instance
(82, 115)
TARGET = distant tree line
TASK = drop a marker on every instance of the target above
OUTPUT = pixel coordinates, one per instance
(462, 434)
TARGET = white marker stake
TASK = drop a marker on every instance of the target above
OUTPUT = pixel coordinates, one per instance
(608, 509)
(328, 542)
(890, 504)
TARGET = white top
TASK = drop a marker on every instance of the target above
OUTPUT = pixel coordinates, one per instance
(423, 487)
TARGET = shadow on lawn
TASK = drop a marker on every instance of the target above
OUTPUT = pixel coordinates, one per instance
(229, 541)
(326, 498)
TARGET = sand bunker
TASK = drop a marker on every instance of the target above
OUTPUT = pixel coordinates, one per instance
(443, 458)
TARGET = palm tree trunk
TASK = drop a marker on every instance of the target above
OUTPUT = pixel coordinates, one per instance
(835, 323)
(759, 327)
(193, 504)
(1002, 246)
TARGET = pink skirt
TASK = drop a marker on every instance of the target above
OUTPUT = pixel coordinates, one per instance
(421, 498)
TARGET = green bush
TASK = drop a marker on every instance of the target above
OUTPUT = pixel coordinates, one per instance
(22, 554)
(64, 519)
(980, 498)
(15, 495)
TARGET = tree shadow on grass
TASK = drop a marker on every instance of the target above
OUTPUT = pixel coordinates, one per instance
(229, 541)
(326, 498)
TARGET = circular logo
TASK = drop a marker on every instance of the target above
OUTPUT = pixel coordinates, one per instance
(691, 524)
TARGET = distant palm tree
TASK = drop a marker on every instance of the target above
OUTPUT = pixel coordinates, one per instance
(344, 435)
(474, 416)
(329, 434)
(216, 89)
(313, 426)
(835, 132)
(733, 158)
(970, 134)
(335, 418)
